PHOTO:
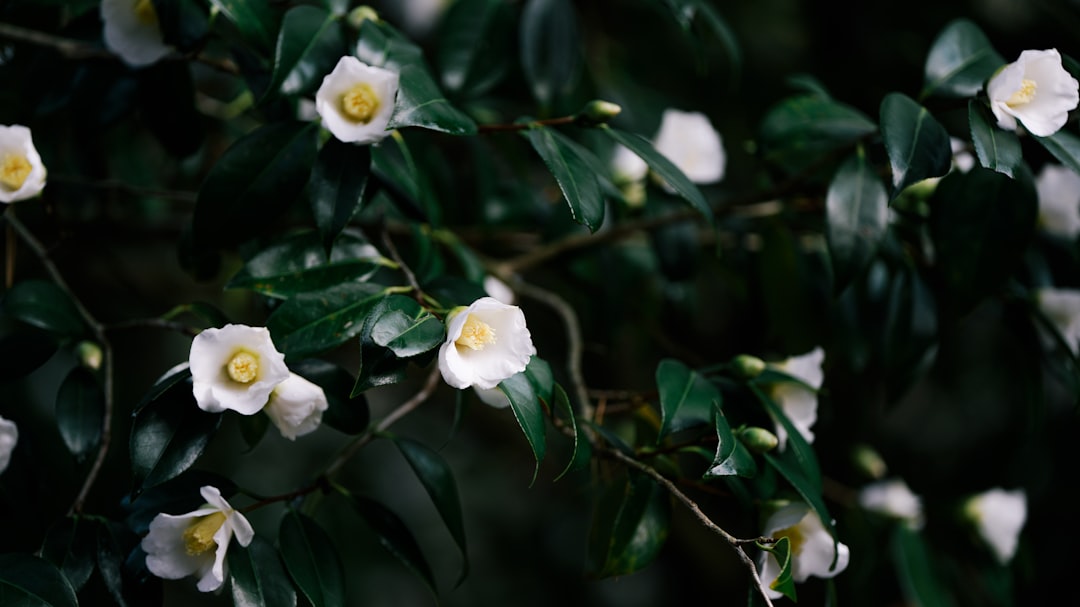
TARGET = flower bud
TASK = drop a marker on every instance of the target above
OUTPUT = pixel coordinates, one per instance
(747, 367)
(89, 355)
(868, 462)
(758, 440)
(359, 15)
(599, 111)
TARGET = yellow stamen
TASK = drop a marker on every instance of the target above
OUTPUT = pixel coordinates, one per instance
(1025, 95)
(243, 367)
(199, 536)
(475, 334)
(145, 13)
(360, 103)
(14, 170)
(794, 535)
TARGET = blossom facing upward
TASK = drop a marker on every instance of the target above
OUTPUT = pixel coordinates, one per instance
(811, 547)
(356, 100)
(893, 498)
(132, 31)
(1062, 308)
(797, 401)
(9, 436)
(1059, 201)
(296, 406)
(196, 543)
(1036, 90)
(999, 516)
(22, 174)
(235, 367)
(486, 343)
(691, 143)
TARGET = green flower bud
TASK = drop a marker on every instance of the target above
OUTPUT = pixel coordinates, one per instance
(599, 111)
(89, 355)
(359, 15)
(869, 462)
(747, 367)
(758, 440)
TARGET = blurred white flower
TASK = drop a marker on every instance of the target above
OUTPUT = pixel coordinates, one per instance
(893, 498)
(486, 343)
(999, 516)
(493, 397)
(420, 16)
(1059, 201)
(799, 402)
(1036, 90)
(195, 543)
(356, 100)
(296, 406)
(499, 290)
(9, 435)
(626, 166)
(132, 31)
(235, 367)
(962, 159)
(22, 175)
(1062, 308)
(691, 143)
(811, 546)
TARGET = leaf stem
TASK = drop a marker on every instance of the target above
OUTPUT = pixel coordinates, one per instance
(524, 126)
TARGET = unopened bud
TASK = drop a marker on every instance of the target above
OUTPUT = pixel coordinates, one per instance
(360, 14)
(599, 111)
(747, 367)
(868, 462)
(758, 440)
(89, 354)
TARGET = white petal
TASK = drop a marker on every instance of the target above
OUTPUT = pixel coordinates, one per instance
(893, 498)
(211, 351)
(349, 72)
(626, 166)
(493, 398)
(463, 367)
(296, 406)
(691, 143)
(499, 290)
(1059, 201)
(806, 368)
(9, 436)
(136, 41)
(1062, 308)
(1054, 96)
(999, 516)
(769, 570)
(814, 555)
(16, 139)
(166, 551)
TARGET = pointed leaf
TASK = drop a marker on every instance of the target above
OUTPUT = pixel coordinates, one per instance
(960, 61)
(799, 131)
(312, 560)
(663, 167)
(405, 328)
(257, 20)
(732, 457)
(808, 490)
(783, 583)
(421, 103)
(80, 411)
(34, 582)
(801, 451)
(916, 572)
(473, 43)
(257, 577)
(917, 144)
(630, 526)
(857, 211)
(345, 413)
(438, 479)
(114, 542)
(311, 323)
(576, 180)
(44, 305)
(1065, 146)
(582, 447)
(686, 398)
(309, 44)
(71, 545)
(551, 54)
(338, 180)
(539, 373)
(395, 537)
(529, 414)
(997, 149)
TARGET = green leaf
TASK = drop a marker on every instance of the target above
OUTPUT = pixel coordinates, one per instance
(997, 149)
(629, 527)
(311, 323)
(663, 167)
(345, 413)
(732, 457)
(529, 414)
(405, 328)
(184, 24)
(960, 60)
(473, 45)
(44, 305)
(395, 172)
(438, 480)
(783, 583)
(576, 180)
(538, 371)
(23, 347)
(71, 545)
(309, 44)
(797, 447)
(257, 576)
(857, 212)
(916, 572)
(257, 20)
(809, 491)
(551, 54)
(379, 366)
(33, 582)
(1065, 146)
(421, 103)
(917, 144)
(112, 549)
(253, 428)
(80, 412)
(338, 181)
(165, 383)
(394, 536)
(312, 560)
(582, 446)
(799, 131)
(686, 398)
(254, 182)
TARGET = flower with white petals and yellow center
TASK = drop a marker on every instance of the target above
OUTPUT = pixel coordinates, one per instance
(132, 31)
(811, 546)
(356, 100)
(196, 543)
(798, 400)
(22, 174)
(998, 516)
(691, 143)
(296, 406)
(235, 367)
(1036, 90)
(486, 343)
(9, 436)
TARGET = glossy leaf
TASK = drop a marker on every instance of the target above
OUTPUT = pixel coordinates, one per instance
(997, 149)
(44, 305)
(799, 131)
(257, 577)
(32, 581)
(529, 414)
(308, 46)
(630, 526)
(312, 560)
(345, 414)
(438, 480)
(395, 172)
(395, 537)
(421, 103)
(783, 583)
(582, 453)
(165, 383)
(686, 398)
(960, 61)
(471, 57)
(732, 457)
(1065, 146)
(797, 448)
(538, 371)
(71, 545)
(857, 213)
(809, 491)
(917, 144)
(915, 570)
(80, 411)
(338, 181)
(576, 180)
(405, 328)
(551, 56)
(257, 20)
(311, 323)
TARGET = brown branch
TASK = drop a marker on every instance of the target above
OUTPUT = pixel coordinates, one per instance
(484, 129)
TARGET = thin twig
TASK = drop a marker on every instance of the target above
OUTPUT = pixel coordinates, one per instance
(523, 126)
(404, 267)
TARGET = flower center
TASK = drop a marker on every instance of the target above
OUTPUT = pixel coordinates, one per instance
(145, 13)
(475, 334)
(243, 367)
(1025, 95)
(794, 535)
(14, 170)
(360, 103)
(199, 536)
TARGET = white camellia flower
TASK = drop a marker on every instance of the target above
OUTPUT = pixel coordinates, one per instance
(893, 498)
(1062, 308)
(195, 543)
(486, 343)
(1059, 201)
(9, 436)
(799, 402)
(132, 31)
(356, 100)
(999, 516)
(691, 143)
(235, 367)
(811, 546)
(1036, 90)
(22, 174)
(296, 406)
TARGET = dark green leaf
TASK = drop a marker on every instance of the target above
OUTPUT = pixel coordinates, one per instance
(311, 323)
(473, 54)
(551, 54)
(257, 20)
(80, 411)
(338, 180)
(257, 576)
(114, 541)
(23, 347)
(167, 104)
(253, 429)
(406, 328)
(383, 46)
(915, 570)
(917, 144)
(686, 398)
(379, 366)
(960, 60)
(997, 149)
(629, 527)
(33, 582)
(312, 560)
(44, 305)
(170, 378)
(1065, 146)
(183, 23)
(582, 446)
(800, 130)
(857, 211)
(395, 537)
(809, 491)
(421, 103)
(576, 180)
(732, 457)
(71, 545)
(797, 447)
(345, 414)
(539, 373)
(529, 414)
(395, 172)
(309, 44)
(783, 583)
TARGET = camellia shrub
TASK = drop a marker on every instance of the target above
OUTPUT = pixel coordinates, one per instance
(493, 302)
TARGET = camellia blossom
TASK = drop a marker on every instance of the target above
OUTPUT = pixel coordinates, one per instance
(1036, 90)
(296, 406)
(893, 498)
(486, 343)
(799, 402)
(1059, 201)
(196, 543)
(9, 436)
(22, 174)
(999, 515)
(235, 367)
(132, 31)
(691, 143)
(1062, 308)
(811, 546)
(356, 100)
